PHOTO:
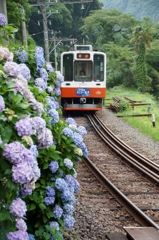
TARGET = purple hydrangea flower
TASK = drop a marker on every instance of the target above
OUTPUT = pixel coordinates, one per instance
(22, 173)
(25, 71)
(43, 74)
(39, 82)
(39, 56)
(49, 200)
(67, 132)
(82, 130)
(55, 116)
(2, 104)
(57, 210)
(18, 208)
(50, 192)
(68, 221)
(12, 68)
(71, 199)
(54, 224)
(70, 120)
(22, 56)
(57, 91)
(16, 153)
(38, 123)
(36, 171)
(53, 166)
(24, 127)
(3, 20)
(68, 163)
(49, 67)
(45, 138)
(5, 54)
(27, 189)
(57, 84)
(18, 235)
(20, 224)
(61, 184)
(68, 209)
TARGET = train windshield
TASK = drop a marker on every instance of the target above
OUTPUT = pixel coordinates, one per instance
(83, 71)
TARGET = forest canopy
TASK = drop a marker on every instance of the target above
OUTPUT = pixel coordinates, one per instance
(140, 9)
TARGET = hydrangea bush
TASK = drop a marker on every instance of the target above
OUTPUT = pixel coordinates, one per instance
(38, 150)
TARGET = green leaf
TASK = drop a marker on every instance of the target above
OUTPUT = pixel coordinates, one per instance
(42, 206)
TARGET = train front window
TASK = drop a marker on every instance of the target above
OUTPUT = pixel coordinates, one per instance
(83, 71)
(98, 67)
(68, 67)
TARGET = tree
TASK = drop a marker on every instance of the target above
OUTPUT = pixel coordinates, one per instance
(143, 35)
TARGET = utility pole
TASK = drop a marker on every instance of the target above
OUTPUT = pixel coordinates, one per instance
(3, 8)
(43, 6)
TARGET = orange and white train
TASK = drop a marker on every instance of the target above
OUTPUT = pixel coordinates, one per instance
(84, 86)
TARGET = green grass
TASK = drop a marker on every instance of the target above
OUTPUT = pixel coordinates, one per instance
(143, 123)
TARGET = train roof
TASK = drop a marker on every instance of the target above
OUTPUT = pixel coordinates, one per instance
(81, 47)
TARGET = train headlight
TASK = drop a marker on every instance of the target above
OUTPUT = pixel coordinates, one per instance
(82, 100)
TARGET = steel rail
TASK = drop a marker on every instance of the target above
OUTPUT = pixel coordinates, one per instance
(139, 215)
(142, 164)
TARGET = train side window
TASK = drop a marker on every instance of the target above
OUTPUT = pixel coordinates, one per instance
(98, 67)
(68, 67)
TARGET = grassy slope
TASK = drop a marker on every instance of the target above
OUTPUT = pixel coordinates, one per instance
(143, 123)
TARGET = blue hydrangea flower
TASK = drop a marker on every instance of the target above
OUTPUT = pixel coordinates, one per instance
(57, 210)
(59, 76)
(18, 235)
(25, 71)
(61, 184)
(43, 74)
(68, 209)
(49, 200)
(67, 132)
(72, 199)
(49, 89)
(55, 116)
(70, 180)
(18, 208)
(34, 150)
(50, 192)
(66, 195)
(68, 221)
(39, 82)
(77, 138)
(27, 189)
(31, 237)
(76, 186)
(83, 147)
(57, 91)
(22, 56)
(82, 130)
(49, 67)
(39, 56)
(53, 166)
(2, 104)
(68, 163)
(3, 20)
(70, 120)
(55, 224)
(57, 84)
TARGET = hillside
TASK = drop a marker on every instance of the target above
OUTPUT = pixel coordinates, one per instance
(139, 9)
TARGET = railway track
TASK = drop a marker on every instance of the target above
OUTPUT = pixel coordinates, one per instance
(133, 181)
